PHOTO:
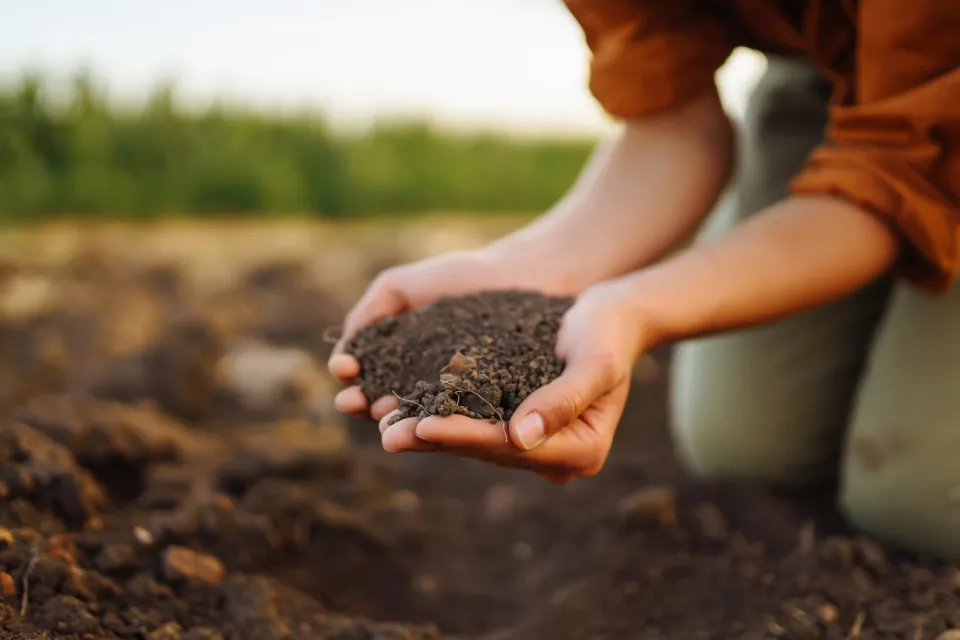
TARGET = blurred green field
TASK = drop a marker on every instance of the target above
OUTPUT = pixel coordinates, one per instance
(68, 152)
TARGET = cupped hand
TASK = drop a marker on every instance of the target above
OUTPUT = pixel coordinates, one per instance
(414, 285)
(564, 429)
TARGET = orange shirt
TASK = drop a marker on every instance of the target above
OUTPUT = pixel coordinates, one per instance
(893, 143)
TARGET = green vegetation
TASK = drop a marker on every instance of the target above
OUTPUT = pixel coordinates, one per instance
(83, 156)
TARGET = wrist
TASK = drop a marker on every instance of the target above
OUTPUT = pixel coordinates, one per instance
(640, 329)
(539, 260)
(798, 254)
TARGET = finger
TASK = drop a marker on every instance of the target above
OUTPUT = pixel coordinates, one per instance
(383, 406)
(385, 421)
(463, 432)
(549, 409)
(351, 400)
(401, 436)
(486, 441)
(343, 367)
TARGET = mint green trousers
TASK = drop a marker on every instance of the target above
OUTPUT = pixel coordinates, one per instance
(867, 387)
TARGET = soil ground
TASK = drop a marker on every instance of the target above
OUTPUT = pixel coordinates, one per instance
(169, 468)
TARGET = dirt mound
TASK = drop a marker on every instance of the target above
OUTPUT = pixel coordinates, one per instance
(38, 476)
(479, 355)
(89, 586)
(100, 432)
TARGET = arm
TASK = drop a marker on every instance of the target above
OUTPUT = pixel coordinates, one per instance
(652, 66)
(637, 198)
(798, 254)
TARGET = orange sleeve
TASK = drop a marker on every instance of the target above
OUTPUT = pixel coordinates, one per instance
(649, 55)
(893, 144)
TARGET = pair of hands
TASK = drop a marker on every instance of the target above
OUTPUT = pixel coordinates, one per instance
(561, 431)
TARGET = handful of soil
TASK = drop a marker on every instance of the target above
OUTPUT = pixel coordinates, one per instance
(478, 355)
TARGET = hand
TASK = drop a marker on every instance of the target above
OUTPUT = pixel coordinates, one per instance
(414, 285)
(565, 429)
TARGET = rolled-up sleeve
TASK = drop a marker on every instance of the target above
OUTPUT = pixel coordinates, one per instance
(649, 55)
(893, 144)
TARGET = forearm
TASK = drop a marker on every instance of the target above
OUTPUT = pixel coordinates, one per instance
(799, 254)
(637, 198)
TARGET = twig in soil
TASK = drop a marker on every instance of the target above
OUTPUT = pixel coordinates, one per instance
(25, 601)
(857, 627)
(503, 424)
(804, 619)
(402, 399)
(328, 337)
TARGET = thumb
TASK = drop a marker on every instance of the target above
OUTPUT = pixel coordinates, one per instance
(382, 298)
(551, 408)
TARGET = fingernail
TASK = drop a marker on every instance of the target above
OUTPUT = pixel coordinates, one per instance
(530, 431)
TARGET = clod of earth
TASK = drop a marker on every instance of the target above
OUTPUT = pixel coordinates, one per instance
(36, 469)
(478, 355)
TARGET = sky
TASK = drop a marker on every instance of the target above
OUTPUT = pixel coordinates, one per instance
(519, 65)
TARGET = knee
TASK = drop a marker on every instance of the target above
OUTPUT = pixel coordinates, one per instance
(904, 499)
(731, 420)
(720, 439)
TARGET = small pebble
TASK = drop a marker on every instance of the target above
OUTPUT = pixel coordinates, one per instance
(426, 584)
(650, 506)
(202, 633)
(828, 613)
(6, 538)
(181, 563)
(224, 503)
(8, 588)
(405, 501)
(169, 631)
(143, 536)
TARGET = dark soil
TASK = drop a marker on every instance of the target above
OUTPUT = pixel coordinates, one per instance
(479, 355)
(160, 513)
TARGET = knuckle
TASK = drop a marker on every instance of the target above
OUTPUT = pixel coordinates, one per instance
(385, 280)
(573, 406)
(607, 369)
